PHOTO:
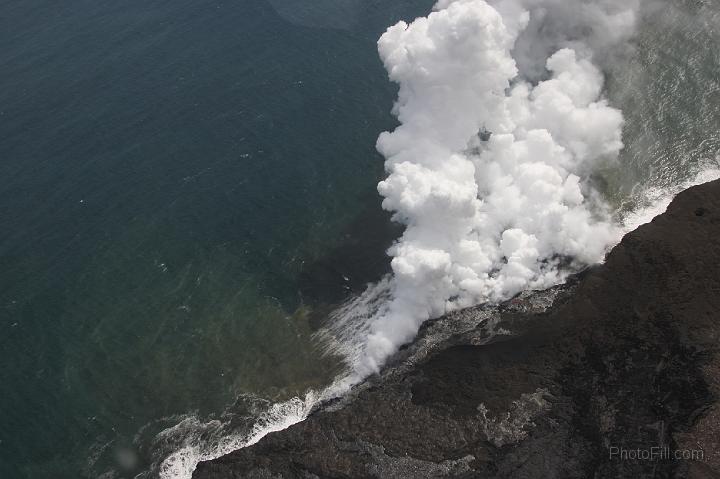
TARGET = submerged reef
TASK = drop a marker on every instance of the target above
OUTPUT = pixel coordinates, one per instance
(614, 374)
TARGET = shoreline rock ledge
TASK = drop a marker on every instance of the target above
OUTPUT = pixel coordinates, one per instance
(615, 374)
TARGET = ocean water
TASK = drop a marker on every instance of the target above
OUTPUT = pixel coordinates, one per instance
(187, 189)
(668, 85)
(179, 181)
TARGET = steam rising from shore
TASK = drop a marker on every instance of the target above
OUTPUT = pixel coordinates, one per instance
(488, 168)
(502, 122)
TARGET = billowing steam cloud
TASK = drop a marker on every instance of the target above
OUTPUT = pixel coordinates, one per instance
(502, 121)
(501, 116)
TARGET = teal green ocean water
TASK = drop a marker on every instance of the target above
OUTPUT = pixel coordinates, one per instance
(188, 187)
(174, 176)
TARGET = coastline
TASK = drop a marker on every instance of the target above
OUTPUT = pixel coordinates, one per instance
(548, 383)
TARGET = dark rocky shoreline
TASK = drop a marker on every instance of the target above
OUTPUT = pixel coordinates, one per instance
(545, 385)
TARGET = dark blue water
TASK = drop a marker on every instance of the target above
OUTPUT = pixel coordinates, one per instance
(188, 187)
(183, 189)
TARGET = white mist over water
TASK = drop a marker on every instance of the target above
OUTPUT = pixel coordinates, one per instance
(502, 123)
(487, 169)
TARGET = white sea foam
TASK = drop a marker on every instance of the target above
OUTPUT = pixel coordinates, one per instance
(651, 202)
(194, 440)
(195, 446)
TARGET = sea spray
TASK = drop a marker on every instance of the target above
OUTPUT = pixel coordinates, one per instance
(650, 202)
(203, 441)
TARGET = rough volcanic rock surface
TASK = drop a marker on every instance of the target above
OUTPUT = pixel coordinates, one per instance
(544, 385)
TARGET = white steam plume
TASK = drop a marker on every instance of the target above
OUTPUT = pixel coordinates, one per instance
(501, 114)
(485, 168)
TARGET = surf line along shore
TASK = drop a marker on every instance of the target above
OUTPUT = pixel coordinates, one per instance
(623, 355)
